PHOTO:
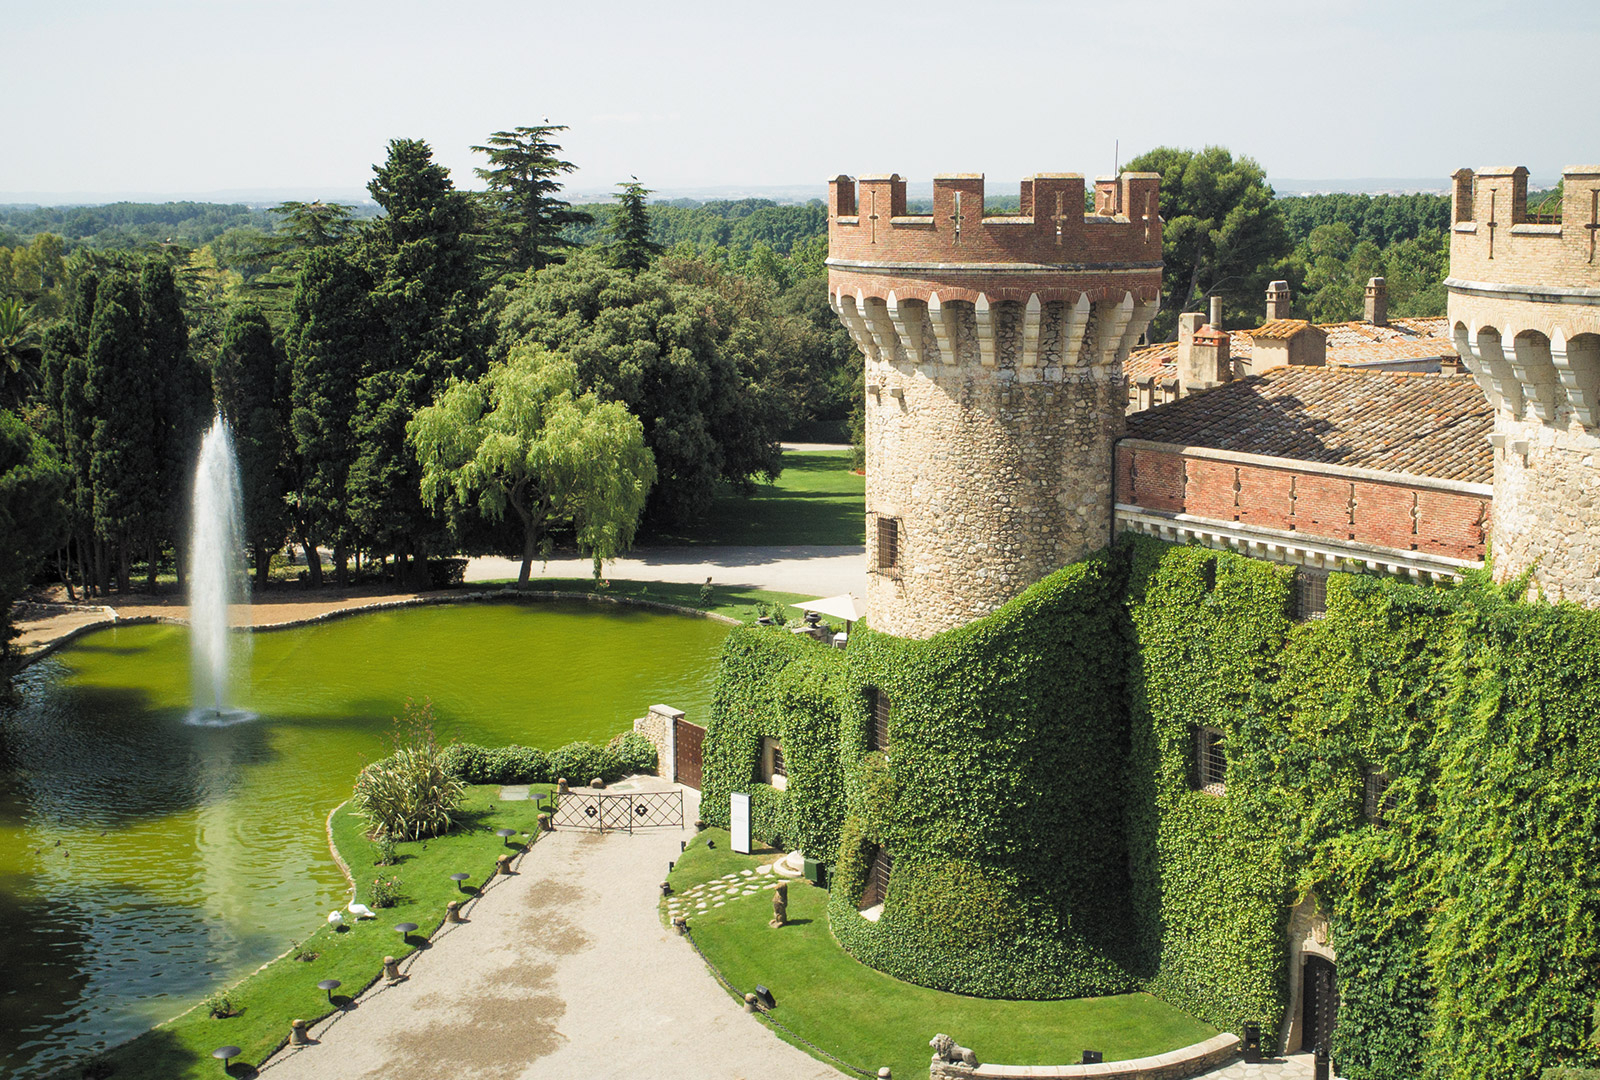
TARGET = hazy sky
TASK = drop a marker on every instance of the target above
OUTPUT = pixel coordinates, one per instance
(169, 95)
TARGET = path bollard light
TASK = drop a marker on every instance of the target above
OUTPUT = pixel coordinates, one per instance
(666, 888)
(297, 1034)
(683, 845)
(1091, 1057)
(404, 930)
(502, 865)
(452, 911)
(1252, 1043)
(764, 996)
(226, 1054)
(460, 879)
(329, 985)
(391, 970)
(749, 1003)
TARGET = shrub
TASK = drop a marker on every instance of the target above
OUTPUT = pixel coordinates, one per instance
(446, 573)
(383, 853)
(221, 1007)
(521, 765)
(469, 763)
(581, 762)
(385, 892)
(633, 752)
(409, 795)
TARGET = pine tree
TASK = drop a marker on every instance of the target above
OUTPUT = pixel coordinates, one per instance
(629, 228)
(250, 386)
(522, 177)
(124, 471)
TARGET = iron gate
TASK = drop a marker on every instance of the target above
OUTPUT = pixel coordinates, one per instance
(623, 811)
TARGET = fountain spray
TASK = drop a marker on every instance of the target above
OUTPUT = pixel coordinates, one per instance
(216, 580)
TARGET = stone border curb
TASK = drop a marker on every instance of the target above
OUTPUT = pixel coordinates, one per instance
(1169, 1066)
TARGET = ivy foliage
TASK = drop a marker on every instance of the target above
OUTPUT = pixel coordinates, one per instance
(1049, 838)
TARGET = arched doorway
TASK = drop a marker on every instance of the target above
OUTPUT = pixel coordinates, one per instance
(1319, 1002)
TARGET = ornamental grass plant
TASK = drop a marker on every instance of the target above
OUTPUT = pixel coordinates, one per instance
(409, 795)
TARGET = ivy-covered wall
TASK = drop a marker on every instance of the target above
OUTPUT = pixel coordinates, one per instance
(1039, 800)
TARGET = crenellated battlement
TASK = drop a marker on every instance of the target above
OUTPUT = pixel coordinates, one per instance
(1494, 238)
(868, 223)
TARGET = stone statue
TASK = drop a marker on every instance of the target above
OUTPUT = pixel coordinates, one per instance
(780, 906)
(946, 1051)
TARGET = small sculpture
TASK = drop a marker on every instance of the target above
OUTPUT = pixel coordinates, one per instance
(780, 906)
(946, 1051)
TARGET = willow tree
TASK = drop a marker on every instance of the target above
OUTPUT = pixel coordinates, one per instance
(521, 436)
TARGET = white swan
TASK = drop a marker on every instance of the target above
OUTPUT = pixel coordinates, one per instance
(335, 919)
(360, 911)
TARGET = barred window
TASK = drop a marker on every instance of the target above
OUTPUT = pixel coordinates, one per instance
(878, 730)
(879, 865)
(1378, 801)
(1310, 593)
(778, 766)
(888, 543)
(1211, 761)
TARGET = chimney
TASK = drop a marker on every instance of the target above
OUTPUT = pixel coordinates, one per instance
(1216, 312)
(1278, 301)
(1377, 306)
(1203, 360)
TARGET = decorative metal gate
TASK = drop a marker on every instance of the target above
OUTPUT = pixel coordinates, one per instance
(623, 811)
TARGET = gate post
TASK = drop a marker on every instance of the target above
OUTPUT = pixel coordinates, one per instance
(661, 727)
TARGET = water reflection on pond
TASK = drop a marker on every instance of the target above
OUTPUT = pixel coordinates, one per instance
(145, 860)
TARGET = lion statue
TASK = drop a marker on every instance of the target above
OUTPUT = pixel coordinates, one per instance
(947, 1051)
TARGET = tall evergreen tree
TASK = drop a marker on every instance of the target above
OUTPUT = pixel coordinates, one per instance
(331, 334)
(629, 228)
(33, 487)
(181, 395)
(124, 470)
(251, 383)
(425, 293)
(523, 172)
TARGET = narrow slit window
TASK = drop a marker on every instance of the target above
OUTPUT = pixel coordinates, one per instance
(888, 543)
(878, 727)
(1211, 761)
(778, 766)
(879, 866)
(1378, 801)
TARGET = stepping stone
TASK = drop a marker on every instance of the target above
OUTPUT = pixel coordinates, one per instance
(701, 906)
(514, 793)
(767, 869)
(719, 903)
(746, 873)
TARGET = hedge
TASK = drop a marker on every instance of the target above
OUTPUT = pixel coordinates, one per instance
(1048, 838)
(579, 762)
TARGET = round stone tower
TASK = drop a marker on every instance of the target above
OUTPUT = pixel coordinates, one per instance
(994, 349)
(1524, 310)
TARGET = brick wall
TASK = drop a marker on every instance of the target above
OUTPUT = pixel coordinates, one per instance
(1516, 250)
(1397, 515)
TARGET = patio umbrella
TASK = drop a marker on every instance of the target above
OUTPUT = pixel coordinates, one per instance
(844, 606)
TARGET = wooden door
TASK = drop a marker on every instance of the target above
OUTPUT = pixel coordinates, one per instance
(688, 739)
(1319, 997)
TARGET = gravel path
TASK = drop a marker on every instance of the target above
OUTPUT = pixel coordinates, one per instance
(818, 569)
(561, 971)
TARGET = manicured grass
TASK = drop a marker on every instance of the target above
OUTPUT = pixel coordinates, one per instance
(733, 601)
(286, 989)
(816, 500)
(868, 1019)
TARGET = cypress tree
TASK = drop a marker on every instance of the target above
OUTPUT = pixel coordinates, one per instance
(250, 384)
(182, 405)
(123, 468)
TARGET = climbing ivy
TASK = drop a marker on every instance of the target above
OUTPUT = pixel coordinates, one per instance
(1039, 800)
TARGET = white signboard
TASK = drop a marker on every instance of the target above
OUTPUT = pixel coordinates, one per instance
(739, 821)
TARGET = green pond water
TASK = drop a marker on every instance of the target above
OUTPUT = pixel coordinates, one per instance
(146, 861)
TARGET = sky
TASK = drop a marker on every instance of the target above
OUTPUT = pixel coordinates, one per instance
(165, 96)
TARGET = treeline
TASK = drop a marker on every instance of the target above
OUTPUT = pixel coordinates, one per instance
(455, 375)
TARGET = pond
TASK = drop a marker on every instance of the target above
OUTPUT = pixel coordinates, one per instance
(146, 862)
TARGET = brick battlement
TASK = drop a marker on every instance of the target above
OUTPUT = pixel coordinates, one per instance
(1495, 240)
(868, 225)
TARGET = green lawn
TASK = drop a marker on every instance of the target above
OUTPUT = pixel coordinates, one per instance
(816, 500)
(868, 1019)
(286, 989)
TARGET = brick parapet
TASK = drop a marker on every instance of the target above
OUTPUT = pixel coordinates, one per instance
(1494, 239)
(1387, 514)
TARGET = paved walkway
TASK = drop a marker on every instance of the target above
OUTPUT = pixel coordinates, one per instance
(818, 569)
(563, 970)
(1293, 1067)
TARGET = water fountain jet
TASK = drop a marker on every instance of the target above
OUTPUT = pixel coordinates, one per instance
(216, 580)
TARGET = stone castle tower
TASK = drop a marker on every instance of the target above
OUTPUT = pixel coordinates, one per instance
(994, 349)
(1525, 314)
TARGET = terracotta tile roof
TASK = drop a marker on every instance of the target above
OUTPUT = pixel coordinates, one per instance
(1279, 329)
(1427, 425)
(1348, 343)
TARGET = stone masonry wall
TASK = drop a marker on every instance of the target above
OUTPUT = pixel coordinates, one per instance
(1547, 506)
(995, 482)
